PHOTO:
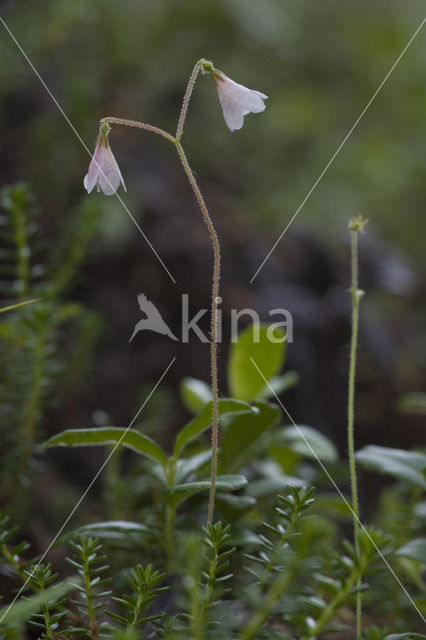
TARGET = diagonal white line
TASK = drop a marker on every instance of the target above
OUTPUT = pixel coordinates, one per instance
(86, 491)
(84, 145)
(341, 145)
(340, 493)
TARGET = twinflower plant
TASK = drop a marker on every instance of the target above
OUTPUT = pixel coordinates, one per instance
(104, 173)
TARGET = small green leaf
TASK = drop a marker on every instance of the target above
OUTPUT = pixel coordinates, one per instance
(420, 510)
(409, 466)
(122, 526)
(273, 485)
(223, 483)
(228, 482)
(244, 381)
(307, 442)
(203, 421)
(238, 502)
(240, 440)
(415, 550)
(279, 384)
(405, 636)
(109, 435)
(187, 466)
(287, 459)
(195, 394)
(234, 506)
(412, 403)
(333, 506)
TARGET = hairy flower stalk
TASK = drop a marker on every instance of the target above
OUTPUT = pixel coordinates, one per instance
(236, 101)
(213, 337)
(356, 226)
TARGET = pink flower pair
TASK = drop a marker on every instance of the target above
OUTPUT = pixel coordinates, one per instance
(236, 101)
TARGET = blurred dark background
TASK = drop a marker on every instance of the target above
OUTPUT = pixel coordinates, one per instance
(319, 63)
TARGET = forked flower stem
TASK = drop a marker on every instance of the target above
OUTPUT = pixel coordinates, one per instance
(213, 348)
(138, 125)
(206, 66)
(356, 226)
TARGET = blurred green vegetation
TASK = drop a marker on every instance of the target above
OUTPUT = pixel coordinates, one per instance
(319, 62)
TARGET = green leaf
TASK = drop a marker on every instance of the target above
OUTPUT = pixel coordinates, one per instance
(244, 381)
(273, 485)
(223, 483)
(272, 481)
(405, 636)
(415, 550)
(232, 506)
(409, 466)
(238, 502)
(122, 533)
(240, 440)
(333, 506)
(195, 394)
(108, 526)
(188, 466)
(109, 435)
(279, 384)
(307, 442)
(203, 421)
(287, 459)
(420, 510)
(412, 403)
(25, 607)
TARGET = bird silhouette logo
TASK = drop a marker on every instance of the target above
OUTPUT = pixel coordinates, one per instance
(153, 320)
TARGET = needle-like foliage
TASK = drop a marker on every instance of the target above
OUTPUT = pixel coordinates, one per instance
(143, 582)
(89, 561)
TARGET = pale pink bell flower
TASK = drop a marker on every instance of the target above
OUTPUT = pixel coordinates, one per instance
(103, 172)
(236, 100)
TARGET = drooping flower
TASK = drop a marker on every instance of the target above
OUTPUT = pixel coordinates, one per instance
(236, 100)
(104, 172)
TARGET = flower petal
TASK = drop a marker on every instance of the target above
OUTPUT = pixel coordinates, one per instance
(237, 100)
(103, 170)
(232, 112)
(91, 177)
(109, 177)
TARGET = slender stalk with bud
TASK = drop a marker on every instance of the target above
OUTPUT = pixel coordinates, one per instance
(356, 226)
